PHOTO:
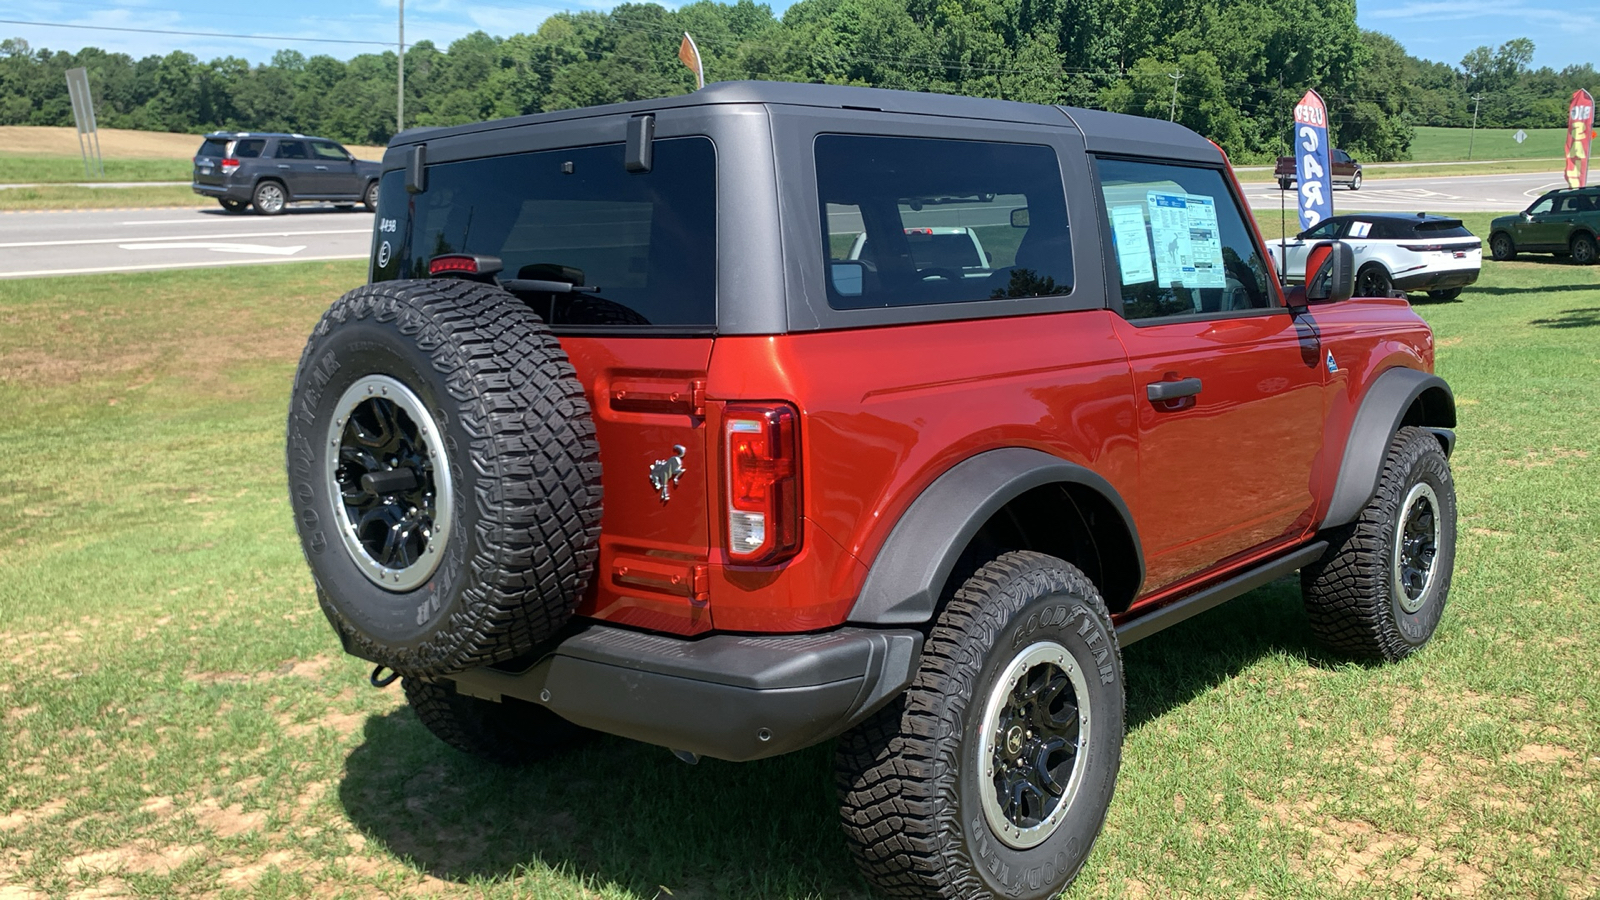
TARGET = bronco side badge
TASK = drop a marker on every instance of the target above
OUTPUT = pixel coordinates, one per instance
(664, 473)
(1332, 366)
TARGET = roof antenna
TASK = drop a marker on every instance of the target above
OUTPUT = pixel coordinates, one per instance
(689, 55)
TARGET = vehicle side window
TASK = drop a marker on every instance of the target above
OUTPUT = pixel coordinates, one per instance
(913, 221)
(1181, 241)
(1322, 232)
(291, 150)
(329, 150)
(249, 149)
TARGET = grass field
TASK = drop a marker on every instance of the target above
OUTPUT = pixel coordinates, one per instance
(1432, 144)
(32, 154)
(67, 196)
(176, 719)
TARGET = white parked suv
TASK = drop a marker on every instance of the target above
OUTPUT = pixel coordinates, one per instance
(937, 249)
(1393, 252)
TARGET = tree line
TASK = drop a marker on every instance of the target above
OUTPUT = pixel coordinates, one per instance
(1231, 70)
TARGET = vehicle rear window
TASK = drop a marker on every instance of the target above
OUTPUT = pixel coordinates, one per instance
(1448, 228)
(646, 240)
(250, 148)
(914, 221)
(213, 147)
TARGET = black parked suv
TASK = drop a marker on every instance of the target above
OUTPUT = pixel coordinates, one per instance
(270, 171)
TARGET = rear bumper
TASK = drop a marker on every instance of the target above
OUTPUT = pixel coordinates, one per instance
(238, 192)
(730, 697)
(1437, 280)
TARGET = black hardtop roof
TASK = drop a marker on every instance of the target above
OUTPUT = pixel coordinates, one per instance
(1408, 218)
(1103, 132)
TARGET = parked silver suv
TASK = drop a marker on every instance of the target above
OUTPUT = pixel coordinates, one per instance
(270, 171)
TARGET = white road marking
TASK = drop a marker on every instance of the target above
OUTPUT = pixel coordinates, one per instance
(186, 237)
(219, 247)
(189, 265)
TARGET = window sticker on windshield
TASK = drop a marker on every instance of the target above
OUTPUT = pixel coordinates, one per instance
(1360, 229)
(1133, 245)
(1169, 230)
(1205, 244)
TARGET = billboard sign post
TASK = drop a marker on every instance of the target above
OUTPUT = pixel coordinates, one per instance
(1580, 133)
(1313, 177)
(83, 117)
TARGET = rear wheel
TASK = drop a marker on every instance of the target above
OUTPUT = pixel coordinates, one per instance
(1284, 184)
(270, 198)
(1373, 281)
(444, 475)
(1380, 589)
(1446, 294)
(1501, 247)
(992, 774)
(511, 732)
(1583, 249)
(369, 197)
(232, 206)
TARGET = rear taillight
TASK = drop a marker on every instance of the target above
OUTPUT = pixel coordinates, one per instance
(230, 166)
(761, 446)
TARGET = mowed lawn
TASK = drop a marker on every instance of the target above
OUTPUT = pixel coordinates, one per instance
(1434, 144)
(176, 719)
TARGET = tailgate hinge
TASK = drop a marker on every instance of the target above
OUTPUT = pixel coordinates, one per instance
(697, 396)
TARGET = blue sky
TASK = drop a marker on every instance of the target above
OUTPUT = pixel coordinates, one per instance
(1442, 30)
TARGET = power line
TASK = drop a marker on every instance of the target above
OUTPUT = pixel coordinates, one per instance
(218, 34)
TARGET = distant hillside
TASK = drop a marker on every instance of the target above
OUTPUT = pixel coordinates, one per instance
(118, 143)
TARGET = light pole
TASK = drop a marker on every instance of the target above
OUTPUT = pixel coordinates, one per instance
(400, 90)
(1476, 99)
(1176, 76)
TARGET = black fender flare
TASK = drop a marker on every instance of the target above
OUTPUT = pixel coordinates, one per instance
(1383, 411)
(905, 579)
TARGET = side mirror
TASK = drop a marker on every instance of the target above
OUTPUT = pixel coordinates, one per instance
(848, 278)
(1330, 272)
(1019, 218)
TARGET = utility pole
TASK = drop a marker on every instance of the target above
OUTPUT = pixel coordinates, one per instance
(400, 96)
(1176, 75)
(1476, 99)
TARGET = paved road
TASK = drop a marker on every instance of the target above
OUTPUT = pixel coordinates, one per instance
(131, 240)
(1434, 194)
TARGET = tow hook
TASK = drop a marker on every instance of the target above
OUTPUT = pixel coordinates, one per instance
(380, 680)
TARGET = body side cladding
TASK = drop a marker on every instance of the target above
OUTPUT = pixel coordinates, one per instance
(910, 571)
(1397, 397)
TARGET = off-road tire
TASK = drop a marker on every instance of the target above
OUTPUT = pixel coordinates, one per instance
(910, 777)
(1373, 281)
(1354, 601)
(1501, 247)
(1583, 249)
(514, 549)
(369, 197)
(509, 733)
(270, 198)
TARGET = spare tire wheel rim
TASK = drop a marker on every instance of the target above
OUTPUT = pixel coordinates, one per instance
(388, 483)
(1416, 547)
(1034, 744)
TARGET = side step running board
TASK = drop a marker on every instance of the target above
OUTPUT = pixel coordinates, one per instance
(1146, 624)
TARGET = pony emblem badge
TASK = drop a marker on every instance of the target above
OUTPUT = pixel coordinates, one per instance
(664, 473)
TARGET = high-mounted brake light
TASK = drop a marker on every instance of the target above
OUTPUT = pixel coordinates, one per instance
(463, 264)
(230, 166)
(761, 447)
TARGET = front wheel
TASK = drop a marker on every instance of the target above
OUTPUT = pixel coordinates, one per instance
(1583, 249)
(1380, 589)
(1501, 247)
(1355, 182)
(992, 774)
(1373, 281)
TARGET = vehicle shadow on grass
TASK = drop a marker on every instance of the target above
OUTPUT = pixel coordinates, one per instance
(622, 815)
(1550, 289)
(1585, 317)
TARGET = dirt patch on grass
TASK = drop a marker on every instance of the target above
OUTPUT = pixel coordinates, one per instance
(22, 818)
(227, 821)
(295, 668)
(131, 858)
(1547, 754)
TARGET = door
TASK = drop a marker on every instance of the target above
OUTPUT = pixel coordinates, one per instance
(1228, 383)
(335, 170)
(1541, 225)
(293, 164)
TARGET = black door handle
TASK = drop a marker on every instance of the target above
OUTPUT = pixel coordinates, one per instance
(1172, 390)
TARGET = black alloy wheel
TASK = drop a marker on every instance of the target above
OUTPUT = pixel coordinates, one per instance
(1501, 247)
(1373, 281)
(1583, 249)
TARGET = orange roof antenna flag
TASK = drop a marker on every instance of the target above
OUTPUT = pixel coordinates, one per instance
(689, 53)
(1580, 132)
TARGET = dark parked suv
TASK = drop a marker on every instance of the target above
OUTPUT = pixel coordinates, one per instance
(628, 434)
(270, 171)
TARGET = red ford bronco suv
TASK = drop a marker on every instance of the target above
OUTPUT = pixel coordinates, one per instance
(865, 497)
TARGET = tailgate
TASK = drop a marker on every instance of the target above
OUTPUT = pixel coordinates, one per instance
(647, 396)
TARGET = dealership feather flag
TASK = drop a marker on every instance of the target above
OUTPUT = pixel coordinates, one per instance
(1580, 132)
(1313, 175)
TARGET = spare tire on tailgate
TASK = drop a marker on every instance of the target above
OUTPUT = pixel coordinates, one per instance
(444, 475)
